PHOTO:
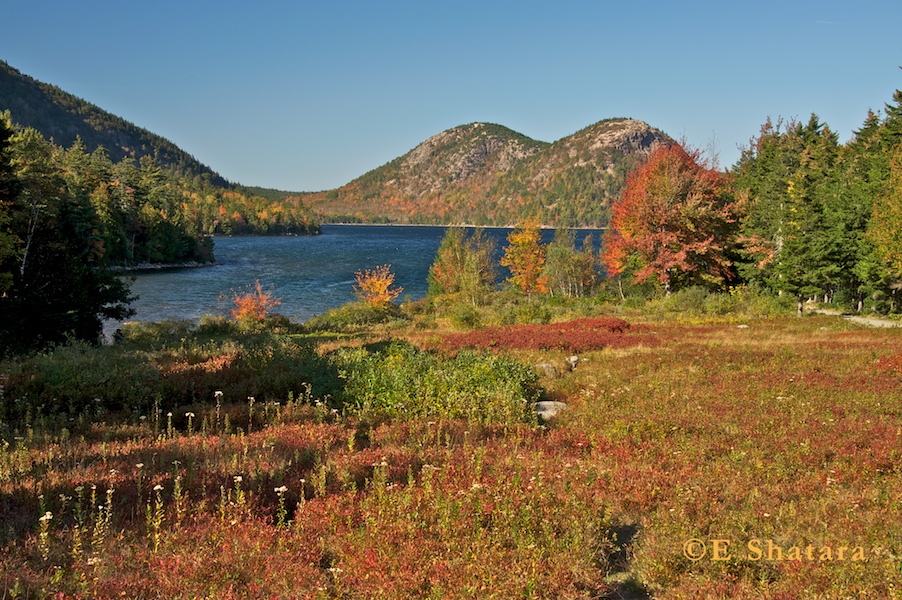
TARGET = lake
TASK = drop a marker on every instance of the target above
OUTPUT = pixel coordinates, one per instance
(309, 274)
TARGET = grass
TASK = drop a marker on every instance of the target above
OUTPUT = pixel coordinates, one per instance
(786, 434)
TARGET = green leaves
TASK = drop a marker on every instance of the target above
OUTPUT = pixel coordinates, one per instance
(400, 381)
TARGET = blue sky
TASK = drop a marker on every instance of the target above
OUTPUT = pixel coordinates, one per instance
(307, 96)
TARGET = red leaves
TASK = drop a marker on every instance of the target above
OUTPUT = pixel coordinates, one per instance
(254, 306)
(673, 217)
(576, 336)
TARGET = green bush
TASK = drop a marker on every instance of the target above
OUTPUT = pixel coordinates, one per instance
(400, 381)
(354, 316)
(148, 367)
(737, 302)
(533, 312)
(466, 316)
(77, 379)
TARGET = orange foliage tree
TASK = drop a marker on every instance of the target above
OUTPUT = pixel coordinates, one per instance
(375, 286)
(525, 257)
(673, 222)
(253, 306)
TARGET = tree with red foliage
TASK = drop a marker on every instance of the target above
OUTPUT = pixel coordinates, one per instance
(252, 307)
(674, 222)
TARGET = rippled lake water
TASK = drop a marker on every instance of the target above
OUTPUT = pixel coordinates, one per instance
(310, 274)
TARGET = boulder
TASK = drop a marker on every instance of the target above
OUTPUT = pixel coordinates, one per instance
(548, 409)
(546, 369)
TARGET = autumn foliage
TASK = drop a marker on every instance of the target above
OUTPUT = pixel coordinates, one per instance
(580, 335)
(525, 257)
(253, 306)
(672, 222)
(464, 263)
(375, 286)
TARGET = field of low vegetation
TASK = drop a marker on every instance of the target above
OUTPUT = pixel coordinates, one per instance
(700, 455)
(660, 419)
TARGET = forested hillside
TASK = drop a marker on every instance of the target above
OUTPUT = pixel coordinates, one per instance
(155, 201)
(486, 174)
(62, 117)
(67, 216)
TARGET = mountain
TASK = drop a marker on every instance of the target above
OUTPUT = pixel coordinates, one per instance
(61, 117)
(487, 174)
(481, 173)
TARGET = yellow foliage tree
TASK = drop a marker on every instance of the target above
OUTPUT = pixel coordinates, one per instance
(375, 286)
(525, 257)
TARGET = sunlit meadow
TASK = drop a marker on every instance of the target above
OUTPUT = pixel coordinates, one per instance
(693, 461)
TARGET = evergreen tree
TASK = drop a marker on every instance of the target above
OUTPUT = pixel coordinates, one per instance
(883, 262)
(9, 192)
(784, 178)
(60, 286)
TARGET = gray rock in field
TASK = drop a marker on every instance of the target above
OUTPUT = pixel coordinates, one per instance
(546, 369)
(742, 326)
(548, 409)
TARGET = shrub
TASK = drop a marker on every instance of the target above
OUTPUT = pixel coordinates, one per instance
(148, 369)
(580, 335)
(353, 317)
(251, 307)
(77, 379)
(466, 316)
(400, 381)
(375, 286)
(740, 302)
(148, 335)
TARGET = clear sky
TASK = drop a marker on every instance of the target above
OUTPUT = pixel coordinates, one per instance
(305, 96)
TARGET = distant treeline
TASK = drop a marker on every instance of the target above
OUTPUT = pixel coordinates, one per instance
(144, 213)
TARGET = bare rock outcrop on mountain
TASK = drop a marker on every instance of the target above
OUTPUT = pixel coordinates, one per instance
(487, 174)
(453, 156)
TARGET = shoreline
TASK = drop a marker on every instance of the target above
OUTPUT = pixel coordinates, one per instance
(162, 266)
(467, 225)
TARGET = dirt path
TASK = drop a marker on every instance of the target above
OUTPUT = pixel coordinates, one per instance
(870, 321)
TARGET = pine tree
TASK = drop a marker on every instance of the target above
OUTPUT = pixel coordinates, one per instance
(59, 286)
(785, 177)
(10, 186)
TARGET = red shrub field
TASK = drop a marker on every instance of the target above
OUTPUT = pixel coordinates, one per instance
(580, 335)
(753, 463)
